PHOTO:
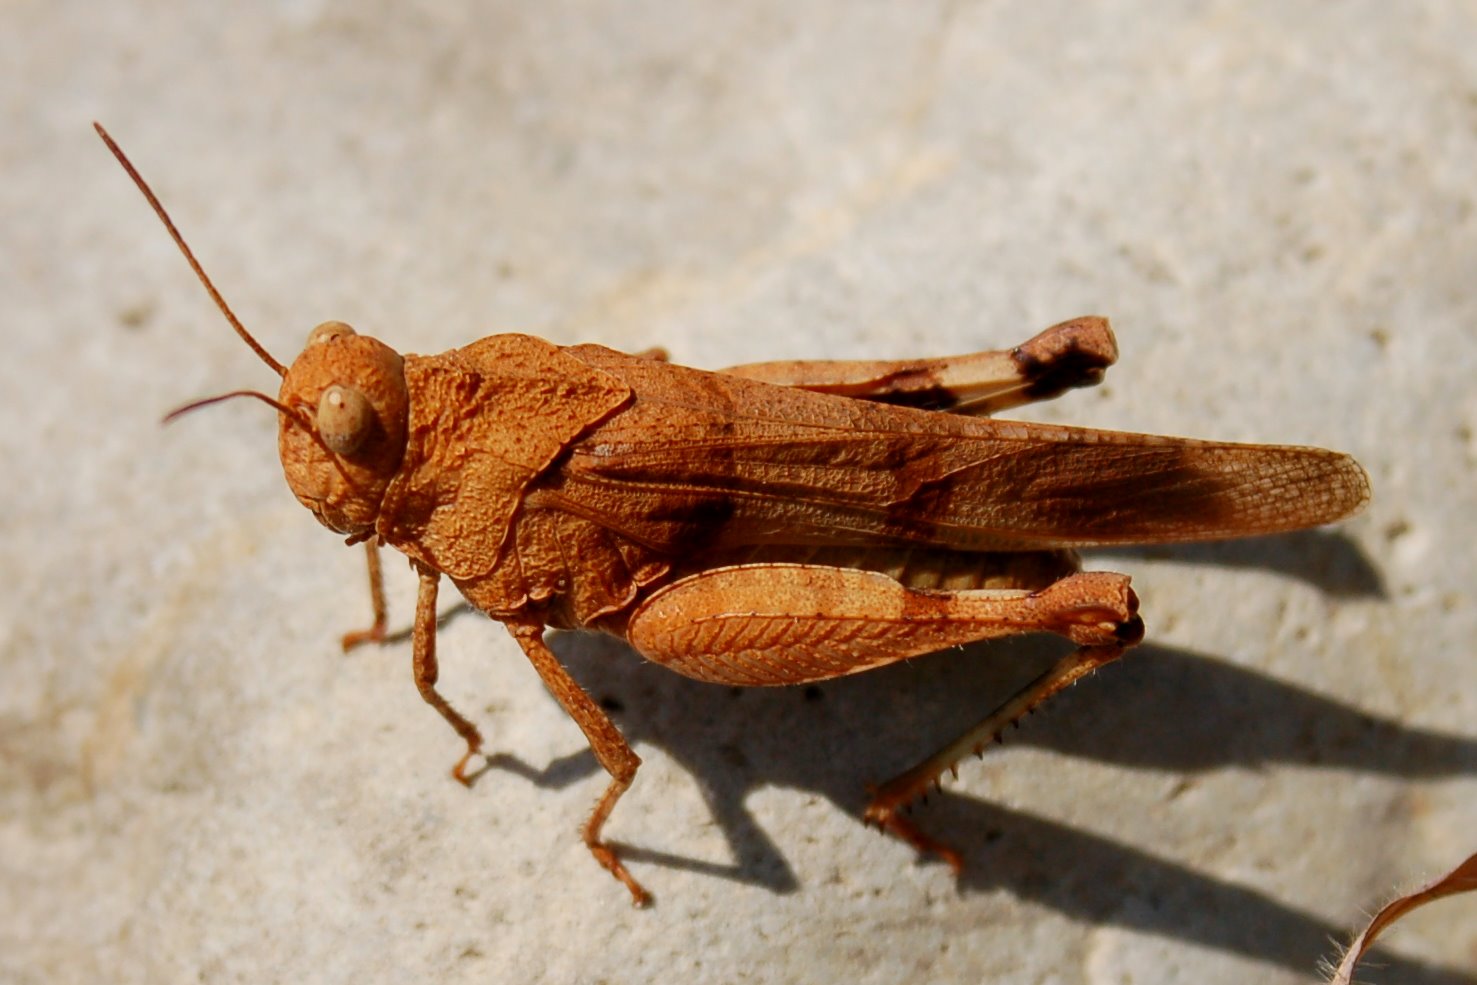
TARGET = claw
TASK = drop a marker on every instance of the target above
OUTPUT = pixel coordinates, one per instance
(359, 637)
(906, 830)
(459, 771)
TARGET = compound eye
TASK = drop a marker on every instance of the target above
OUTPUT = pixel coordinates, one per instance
(327, 332)
(344, 418)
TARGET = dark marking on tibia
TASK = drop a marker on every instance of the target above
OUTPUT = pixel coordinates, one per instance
(928, 398)
(1131, 632)
(1064, 357)
(1059, 372)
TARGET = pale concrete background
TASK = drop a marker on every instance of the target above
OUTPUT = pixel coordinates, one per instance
(1274, 202)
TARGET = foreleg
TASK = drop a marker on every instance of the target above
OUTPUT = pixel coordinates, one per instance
(376, 631)
(423, 646)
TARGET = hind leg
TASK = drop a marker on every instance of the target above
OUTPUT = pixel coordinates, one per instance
(773, 624)
(892, 797)
(1073, 354)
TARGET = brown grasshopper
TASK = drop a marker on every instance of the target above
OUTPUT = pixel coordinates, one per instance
(775, 523)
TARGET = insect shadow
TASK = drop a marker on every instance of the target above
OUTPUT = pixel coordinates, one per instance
(831, 739)
(1330, 560)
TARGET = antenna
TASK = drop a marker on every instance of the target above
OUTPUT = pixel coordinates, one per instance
(179, 241)
(206, 402)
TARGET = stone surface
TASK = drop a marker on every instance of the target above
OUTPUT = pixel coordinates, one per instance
(1273, 202)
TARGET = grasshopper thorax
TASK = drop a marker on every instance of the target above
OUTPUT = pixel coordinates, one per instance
(344, 442)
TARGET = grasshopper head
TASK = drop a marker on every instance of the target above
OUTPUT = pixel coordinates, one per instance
(343, 444)
(341, 410)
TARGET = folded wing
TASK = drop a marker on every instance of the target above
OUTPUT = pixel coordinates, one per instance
(701, 459)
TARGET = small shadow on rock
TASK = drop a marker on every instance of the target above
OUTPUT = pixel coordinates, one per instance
(1328, 559)
(1176, 710)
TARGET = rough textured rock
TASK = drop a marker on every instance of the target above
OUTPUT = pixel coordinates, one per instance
(1274, 203)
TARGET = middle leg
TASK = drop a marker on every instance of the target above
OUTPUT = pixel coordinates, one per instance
(610, 747)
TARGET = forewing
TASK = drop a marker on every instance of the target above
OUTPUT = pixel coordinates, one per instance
(700, 459)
